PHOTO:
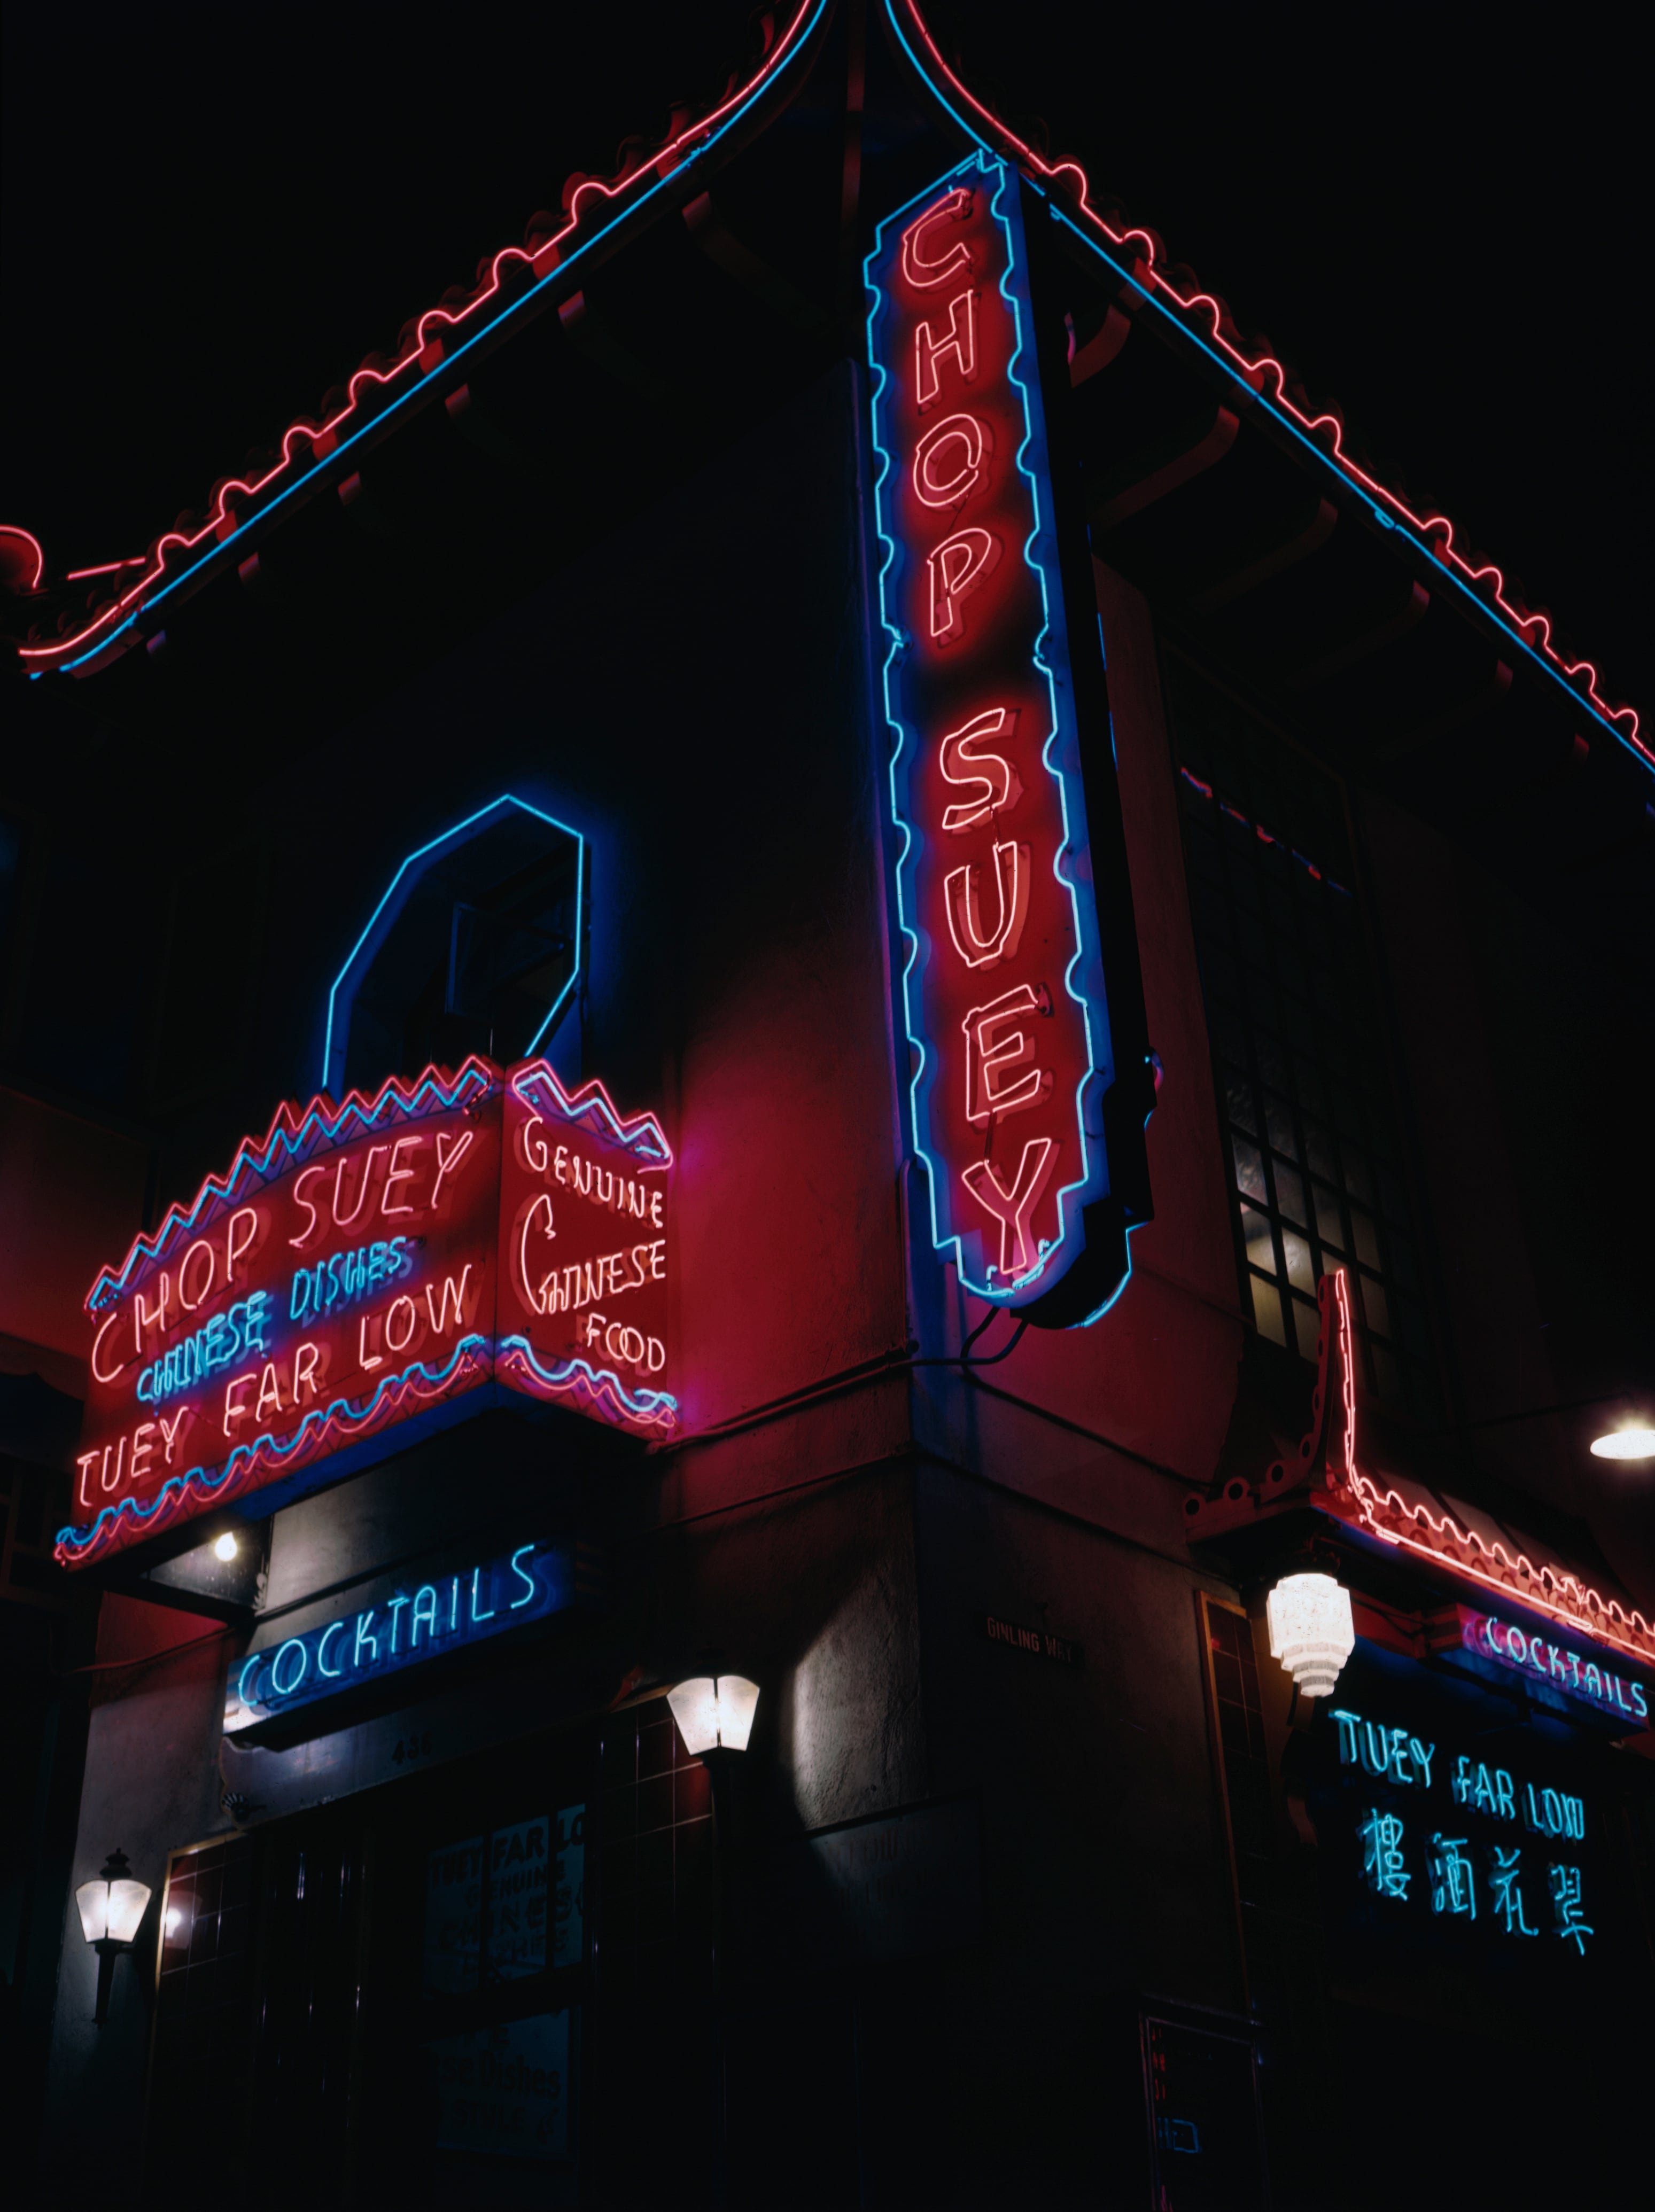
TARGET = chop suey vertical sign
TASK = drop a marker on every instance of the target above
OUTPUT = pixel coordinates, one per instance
(1003, 982)
(363, 1265)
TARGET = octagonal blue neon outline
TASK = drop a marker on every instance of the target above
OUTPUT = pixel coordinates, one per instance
(385, 915)
(1083, 978)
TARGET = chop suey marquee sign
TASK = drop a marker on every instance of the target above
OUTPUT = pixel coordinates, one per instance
(367, 1264)
(1002, 978)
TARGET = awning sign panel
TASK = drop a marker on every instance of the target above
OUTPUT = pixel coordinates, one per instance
(345, 1277)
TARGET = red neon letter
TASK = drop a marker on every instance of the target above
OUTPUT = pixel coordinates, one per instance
(233, 1410)
(1012, 1208)
(535, 1299)
(957, 566)
(300, 1181)
(394, 1174)
(922, 271)
(169, 1429)
(344, 1220)
(237, 1248)
(451, 1297)
(153, 1316)
(460, 1139)
(987, 1053)
(102, 1333)
(270, 1391)
(306, 1360)
(188, 1303)
(959, 893)
(401, 1344)
(141, 1447)
(995, 780)
(972, 439)
(928, 350)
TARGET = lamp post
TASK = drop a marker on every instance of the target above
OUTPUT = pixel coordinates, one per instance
(110, 1908)
(715, 1718)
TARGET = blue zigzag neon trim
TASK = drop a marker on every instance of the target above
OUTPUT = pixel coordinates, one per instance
(643, 1405)
(208, 1481)
(323, 1124)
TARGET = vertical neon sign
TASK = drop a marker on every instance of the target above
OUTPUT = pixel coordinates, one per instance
(1003, 985)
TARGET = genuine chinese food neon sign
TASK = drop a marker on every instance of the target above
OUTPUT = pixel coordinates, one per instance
(1003, 982)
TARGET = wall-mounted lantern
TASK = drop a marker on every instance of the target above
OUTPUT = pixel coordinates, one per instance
(1311, 1631)
(111, 1908)
(714, 1712)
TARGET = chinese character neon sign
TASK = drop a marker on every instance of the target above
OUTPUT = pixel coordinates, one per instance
(366, 1265)
(1391, 1847)
(1003, 983)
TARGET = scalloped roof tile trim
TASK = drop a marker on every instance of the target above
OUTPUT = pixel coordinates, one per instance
(1483, 580)
(421, 347)
(1325, 429)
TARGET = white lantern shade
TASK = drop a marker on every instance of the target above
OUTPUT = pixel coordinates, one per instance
(713, 1712)
(1311, 1631)
(93, 1899)
(111, 1909)
(127, 1900)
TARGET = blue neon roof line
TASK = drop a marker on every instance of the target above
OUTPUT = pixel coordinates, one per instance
(1253, 396)
(1085, 964)
(762, 85)
(206, 1483)
(332, 1062)
(659, 1407)
(322, 1125)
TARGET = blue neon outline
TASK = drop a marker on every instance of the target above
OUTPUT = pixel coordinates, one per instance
(647, 1139)
(760, 91)
(206, 1482)
(1087, 964)
(1252, 398)
(378, 930)
(642, 1404)
(471, 1082)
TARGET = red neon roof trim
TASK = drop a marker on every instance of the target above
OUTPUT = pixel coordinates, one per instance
(422, 349)
(1264, 373)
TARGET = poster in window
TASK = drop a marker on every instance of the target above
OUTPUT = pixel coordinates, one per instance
(569, 1937)
(519, 1871)
(454, 1899)
(504, 2090)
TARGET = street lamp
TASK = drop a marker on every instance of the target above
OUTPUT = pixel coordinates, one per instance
(1311, 1631)
(714, 1711)
(111, 1908)
(1636, 1441)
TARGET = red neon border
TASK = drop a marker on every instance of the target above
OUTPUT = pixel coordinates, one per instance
(1575, 1605)
(422, 348)
(1325, 429)
(291, 1138)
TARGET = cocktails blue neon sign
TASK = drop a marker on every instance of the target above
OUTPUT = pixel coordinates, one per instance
(402, 1631)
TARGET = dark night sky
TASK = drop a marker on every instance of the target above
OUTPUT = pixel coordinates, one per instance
(208, 215)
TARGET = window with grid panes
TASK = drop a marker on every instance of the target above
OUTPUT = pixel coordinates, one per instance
(1304, 1092)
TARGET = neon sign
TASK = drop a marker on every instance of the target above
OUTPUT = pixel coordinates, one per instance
(1003, 981)
(1396, 1849)
(411, 1625)
(343, 1277)
(1528, 1652)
